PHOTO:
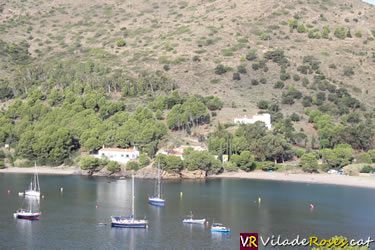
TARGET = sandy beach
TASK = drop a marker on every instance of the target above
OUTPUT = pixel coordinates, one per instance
(366, 181)
(44, 170)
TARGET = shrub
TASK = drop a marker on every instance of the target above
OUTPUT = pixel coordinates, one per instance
(296, 77)
(254, 82)
(358, 34)
(299, 152)
(348, 71)
(2, 164)
(255, 66)
(242, 69)
(267, 166)
(132, 165)
(263, 104)
(263, 80)
(251, 56)
(196, 59)
(284, 76)
(301, 28)
(220, 69)
(307, 101)
(144, 161)
(295, 117)
(22, 163)
(340, 33)
(89, 163)
(113, 166)
(121, 43)
(230, 167)
(166, 67)
(279, 85)
(236, 76)
(159, 115)
(309, 163)
(367, 169)
(332, 66)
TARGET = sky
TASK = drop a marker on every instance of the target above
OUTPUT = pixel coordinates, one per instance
(369, 1)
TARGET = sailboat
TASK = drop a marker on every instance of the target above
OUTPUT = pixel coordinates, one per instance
(27, 214)
(156, 199)
(190, 220)
(129, 221)
(34, 189)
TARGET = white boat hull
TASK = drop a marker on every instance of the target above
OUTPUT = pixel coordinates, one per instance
(194, 221)
(32, 193)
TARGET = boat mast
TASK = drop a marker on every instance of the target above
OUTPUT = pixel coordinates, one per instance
(159, 194)
(133, 197)
(37, 186)
(34, 187)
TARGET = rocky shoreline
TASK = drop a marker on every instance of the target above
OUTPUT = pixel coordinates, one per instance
(144, 173)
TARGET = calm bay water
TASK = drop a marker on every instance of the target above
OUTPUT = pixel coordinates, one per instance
(70, 219)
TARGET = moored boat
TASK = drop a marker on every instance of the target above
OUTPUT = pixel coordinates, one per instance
(191, 220)
(156, 199)
(218, 227)
(34, 189)
(26, 214)
(129, 221)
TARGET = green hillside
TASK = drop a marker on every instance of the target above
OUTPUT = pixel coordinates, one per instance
(84, 68)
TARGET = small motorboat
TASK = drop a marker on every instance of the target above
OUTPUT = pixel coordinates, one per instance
(20, 193)
(190, 220)
(217, 227)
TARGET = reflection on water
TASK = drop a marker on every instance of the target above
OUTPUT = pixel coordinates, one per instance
(70, 219)
(129, 235)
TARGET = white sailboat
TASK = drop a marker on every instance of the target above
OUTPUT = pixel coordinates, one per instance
(129, 221)
(28, 214)
(190, 220)
(34, 189)
(156, 199)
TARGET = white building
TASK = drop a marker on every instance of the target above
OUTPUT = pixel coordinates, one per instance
(118, 154)
(180, 150)
(266, 118)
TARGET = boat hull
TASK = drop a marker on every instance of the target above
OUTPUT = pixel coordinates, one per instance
(189, 221)
(32, 193)
(129, 225)
(27, 216)
(220, 230)
(156, 201)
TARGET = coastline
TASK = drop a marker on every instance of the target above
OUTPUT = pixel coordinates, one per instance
(364, 181)
(43, 170)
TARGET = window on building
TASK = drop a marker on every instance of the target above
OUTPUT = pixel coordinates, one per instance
(122, 155)
(127, 156)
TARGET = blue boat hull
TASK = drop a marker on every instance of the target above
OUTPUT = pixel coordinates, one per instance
(156, 203)
(141, 225)
(220, 231)
(29, 217)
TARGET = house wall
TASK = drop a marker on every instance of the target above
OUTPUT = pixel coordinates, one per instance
(122, 157)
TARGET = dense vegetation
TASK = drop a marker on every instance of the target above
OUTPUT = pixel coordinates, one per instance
(75, 78)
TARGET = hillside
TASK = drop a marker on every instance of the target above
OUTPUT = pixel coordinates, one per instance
(277, 56)
(172, 33)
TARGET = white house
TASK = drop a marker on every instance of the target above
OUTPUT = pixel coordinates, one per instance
(266, 118)
(180, 150)
(118, 154)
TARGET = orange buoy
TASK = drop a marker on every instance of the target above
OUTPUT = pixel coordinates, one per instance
(8, 191)
(97, 206)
